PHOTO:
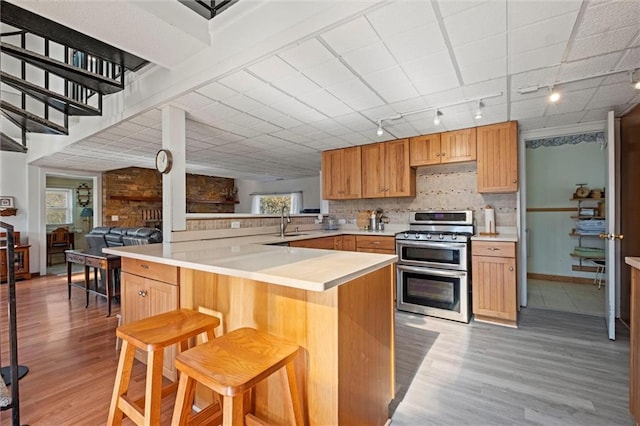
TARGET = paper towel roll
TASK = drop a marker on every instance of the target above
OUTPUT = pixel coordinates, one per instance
(489, 220)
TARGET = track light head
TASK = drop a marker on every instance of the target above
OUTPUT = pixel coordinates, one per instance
(436, 117)
(635, 83)
(554, 95)
(380, 131)
(478, 114)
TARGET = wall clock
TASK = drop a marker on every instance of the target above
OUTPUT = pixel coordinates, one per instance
(164, 161)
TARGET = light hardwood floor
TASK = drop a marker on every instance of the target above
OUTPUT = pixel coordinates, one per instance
(557, 368)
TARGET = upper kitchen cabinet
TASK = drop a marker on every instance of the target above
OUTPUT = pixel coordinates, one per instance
(341, 174)
(498, 157)
(386, 171)
(447, 147)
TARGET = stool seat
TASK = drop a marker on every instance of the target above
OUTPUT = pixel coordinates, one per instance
(153, 335)
(160, 331)
(231, 365)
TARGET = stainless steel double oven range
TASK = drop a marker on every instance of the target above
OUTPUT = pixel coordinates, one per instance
(434, 264)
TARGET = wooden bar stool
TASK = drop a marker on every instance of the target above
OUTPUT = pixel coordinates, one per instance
(232, 365)
(152, 335)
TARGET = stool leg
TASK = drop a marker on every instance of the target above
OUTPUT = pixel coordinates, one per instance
(233, 411)
(120, 387)
(298, 413)
(153, 388)
(184, 400)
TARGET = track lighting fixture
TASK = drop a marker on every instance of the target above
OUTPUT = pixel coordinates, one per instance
(436, 117)
(380, 131)
(478, 114)
(554, 95)
(635, 83)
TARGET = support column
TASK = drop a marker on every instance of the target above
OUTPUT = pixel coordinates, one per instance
(174, 204)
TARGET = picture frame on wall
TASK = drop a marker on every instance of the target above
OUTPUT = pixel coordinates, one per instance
(6, 202)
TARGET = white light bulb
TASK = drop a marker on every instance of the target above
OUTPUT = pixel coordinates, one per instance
(380, 132)
(554, 96)
(636, 85)
(436, 118)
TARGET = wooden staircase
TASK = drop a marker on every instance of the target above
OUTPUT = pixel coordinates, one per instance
(67, 71)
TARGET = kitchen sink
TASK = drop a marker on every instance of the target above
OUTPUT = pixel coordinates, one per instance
(292, 234)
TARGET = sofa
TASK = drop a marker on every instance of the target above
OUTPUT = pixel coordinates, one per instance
(114, 236)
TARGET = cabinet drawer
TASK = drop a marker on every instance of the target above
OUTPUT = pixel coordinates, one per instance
(75, 258)
(153, 270)
(96, 263)
(493, 248)
(375, 242)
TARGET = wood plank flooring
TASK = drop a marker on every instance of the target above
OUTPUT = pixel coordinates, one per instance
(557, 368)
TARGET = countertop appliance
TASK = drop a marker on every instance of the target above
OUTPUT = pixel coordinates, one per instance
(434, 264)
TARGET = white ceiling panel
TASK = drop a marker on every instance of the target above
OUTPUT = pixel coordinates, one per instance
(350, 36)
(525, 13)
(267, 114)
(484, 20)
(415, 43)
(370, 59)
(599, 44)
(601, 17)
(401, 16)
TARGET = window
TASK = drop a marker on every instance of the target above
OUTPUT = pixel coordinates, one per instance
(59, 206)
(265, 203)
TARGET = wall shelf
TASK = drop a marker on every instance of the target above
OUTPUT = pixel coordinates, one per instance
(8, 212)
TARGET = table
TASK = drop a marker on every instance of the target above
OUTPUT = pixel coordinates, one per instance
(94, 258)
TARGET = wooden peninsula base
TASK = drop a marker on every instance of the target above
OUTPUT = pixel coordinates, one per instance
(347, 334)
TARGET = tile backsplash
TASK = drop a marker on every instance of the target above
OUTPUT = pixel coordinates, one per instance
(440, 187)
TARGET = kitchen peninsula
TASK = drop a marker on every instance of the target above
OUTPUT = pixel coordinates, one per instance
(337, 305)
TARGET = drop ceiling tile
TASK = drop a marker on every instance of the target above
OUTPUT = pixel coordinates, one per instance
(542, 34)
(415, 43)
(436, 83)
(349, 90)
(350, 36)
(448, 8)
(484, 50)
(428, 66)
(564, 119)
(387, 79)
(242, 82)
(216, 91)
(525, 13)
(484, 20)
(586, 67)
(365, 102)
(398, 17)
(329, 73)
(630, 58)
(268, 95)
(488, 87)
(573, 101)
(213, 113)
(399, 93)
(242, 103)
(307, 55)
(595, 115)
(370, 59)
(354, 121)
(602, 17)
(325, 103)
(602, 43)
(149, 118)
(535, 59)
(484, 71)
(296, 85)
(614, 94)
(528, 108)
(272, 69)
(266, 127)
(192, 101)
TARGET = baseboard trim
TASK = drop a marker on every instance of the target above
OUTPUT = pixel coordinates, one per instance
(560, 278)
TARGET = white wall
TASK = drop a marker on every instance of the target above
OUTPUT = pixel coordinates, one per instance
(552, 175)
(310, 188)
(14, 183)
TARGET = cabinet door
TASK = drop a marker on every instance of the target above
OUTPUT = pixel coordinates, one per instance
(331, 174)
(400, 177)
(498, 157)
(349, 242)
(458, 146)
(494, 288)
(163, 297)
(373, 171)
(424, 150)
(133, 302)
(326, 243)
(351, 173)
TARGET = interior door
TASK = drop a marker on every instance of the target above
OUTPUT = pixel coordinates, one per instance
(612, 237)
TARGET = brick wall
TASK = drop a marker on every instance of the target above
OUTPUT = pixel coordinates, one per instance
(134, 195)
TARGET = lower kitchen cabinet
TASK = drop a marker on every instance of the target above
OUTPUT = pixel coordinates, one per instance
(494, 291)
(327, 243)
(349, 243)
(145, 296)
(634, 355)
(376, 244)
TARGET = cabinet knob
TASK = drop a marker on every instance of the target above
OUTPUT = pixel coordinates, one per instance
(437, 154)
(142, 293)
(514, 181)
(144, 266)
(511, 268)
(443, 154)
(493, 248)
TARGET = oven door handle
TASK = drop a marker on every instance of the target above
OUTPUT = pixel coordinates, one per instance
(441, 272)
(432, 244)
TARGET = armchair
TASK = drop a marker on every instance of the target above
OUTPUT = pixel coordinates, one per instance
(57, 242)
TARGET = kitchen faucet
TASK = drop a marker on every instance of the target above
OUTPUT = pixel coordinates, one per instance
(283, 225)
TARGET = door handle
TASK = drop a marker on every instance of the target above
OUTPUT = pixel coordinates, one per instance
(605, 236)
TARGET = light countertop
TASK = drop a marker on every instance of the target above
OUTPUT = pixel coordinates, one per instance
(251, 257)
(633, 261)
(500, 237)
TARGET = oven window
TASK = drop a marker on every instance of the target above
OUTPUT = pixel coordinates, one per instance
(431, 290)
(443, 255)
